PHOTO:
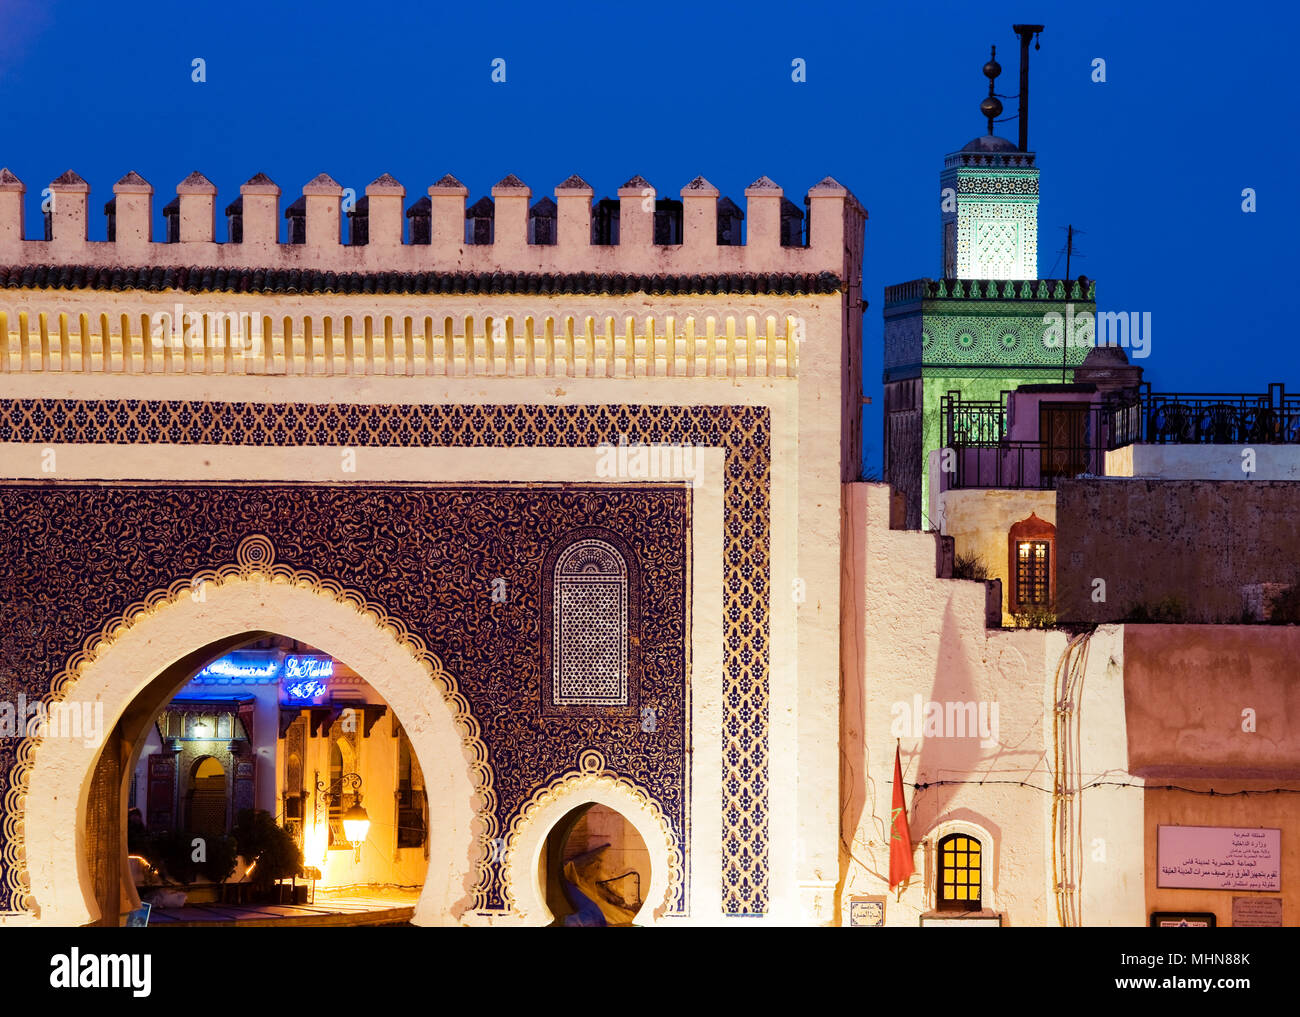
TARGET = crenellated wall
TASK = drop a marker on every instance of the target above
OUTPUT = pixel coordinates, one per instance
(452, 356)
(835, 217)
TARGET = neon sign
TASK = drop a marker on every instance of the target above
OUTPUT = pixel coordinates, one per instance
(302, 679)
(241, 667)
(308, 667)
(307, 689)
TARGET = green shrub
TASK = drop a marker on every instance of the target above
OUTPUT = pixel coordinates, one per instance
(260, 839)
(970, 566)
(222, 857)
(1166, 611)
(172, 853)
(1034, 617)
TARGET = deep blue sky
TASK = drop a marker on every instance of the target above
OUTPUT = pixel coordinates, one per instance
(1199, 102)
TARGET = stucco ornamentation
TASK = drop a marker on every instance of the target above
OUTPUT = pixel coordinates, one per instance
(255, 558)
(742, 432)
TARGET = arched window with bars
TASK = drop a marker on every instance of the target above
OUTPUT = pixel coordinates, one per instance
(960, 884)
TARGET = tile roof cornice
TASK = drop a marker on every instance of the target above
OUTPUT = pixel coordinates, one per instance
(206, 279)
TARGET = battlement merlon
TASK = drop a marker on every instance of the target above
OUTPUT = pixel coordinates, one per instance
(834, 229)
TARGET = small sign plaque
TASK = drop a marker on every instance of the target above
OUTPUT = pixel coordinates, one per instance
(972, 919)
(1183, 920)
(866, 911)
(1257, 912)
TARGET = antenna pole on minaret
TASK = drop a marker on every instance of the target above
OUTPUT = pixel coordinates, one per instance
(1025, 31)
(1069, 253)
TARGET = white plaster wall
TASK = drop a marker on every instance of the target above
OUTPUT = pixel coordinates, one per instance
(915, 635)
(1204, 462)
(1113, 871)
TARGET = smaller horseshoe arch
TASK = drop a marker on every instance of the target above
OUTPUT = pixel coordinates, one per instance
(589, 784)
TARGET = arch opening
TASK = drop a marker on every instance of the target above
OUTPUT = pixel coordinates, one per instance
(137, 674)
(255, 764)
(595, 868)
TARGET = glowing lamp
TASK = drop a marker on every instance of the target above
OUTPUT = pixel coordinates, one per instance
(356, 824)
(356, 821)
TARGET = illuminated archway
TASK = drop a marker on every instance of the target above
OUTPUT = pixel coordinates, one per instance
(167, 634)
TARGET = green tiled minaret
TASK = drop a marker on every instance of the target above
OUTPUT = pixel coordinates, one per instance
(979, 330)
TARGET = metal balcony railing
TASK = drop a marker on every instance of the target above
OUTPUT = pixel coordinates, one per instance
(972, 422)
(1034, 465)
(1206, 419)
(979, 453)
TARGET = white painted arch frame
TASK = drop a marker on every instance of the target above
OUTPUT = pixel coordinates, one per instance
(589, 784)
(175, 626)
(988, 859)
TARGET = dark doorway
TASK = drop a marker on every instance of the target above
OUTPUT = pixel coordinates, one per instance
(1063, 431)
(209, 801)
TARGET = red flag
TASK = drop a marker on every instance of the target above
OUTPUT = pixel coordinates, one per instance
(900, 837)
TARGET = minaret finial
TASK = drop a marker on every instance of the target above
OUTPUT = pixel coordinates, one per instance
(991, 106)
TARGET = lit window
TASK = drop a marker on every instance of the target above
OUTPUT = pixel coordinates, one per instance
(959, 873)
(1033, 572)
(589, 661)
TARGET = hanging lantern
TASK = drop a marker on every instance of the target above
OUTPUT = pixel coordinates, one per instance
(356, 824)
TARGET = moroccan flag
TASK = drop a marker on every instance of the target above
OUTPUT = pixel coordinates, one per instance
(900, 837)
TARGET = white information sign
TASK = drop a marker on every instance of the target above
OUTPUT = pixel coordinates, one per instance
(1219, 858)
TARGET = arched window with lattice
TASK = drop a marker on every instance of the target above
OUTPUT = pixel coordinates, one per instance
(592, 608)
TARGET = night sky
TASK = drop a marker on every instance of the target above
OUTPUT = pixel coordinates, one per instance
(1198, 103)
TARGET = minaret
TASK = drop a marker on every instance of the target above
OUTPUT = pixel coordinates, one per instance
(979, 331)
(990, 203)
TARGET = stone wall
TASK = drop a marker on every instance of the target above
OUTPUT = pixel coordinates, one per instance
(1179, 550)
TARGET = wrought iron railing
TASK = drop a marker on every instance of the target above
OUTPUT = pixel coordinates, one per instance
(972, 422)
(1022, 464)
(1206, 419)
(978, 453)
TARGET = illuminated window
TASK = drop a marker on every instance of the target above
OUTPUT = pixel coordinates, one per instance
(1031, 565)
(960, 865)
(1033, 572)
